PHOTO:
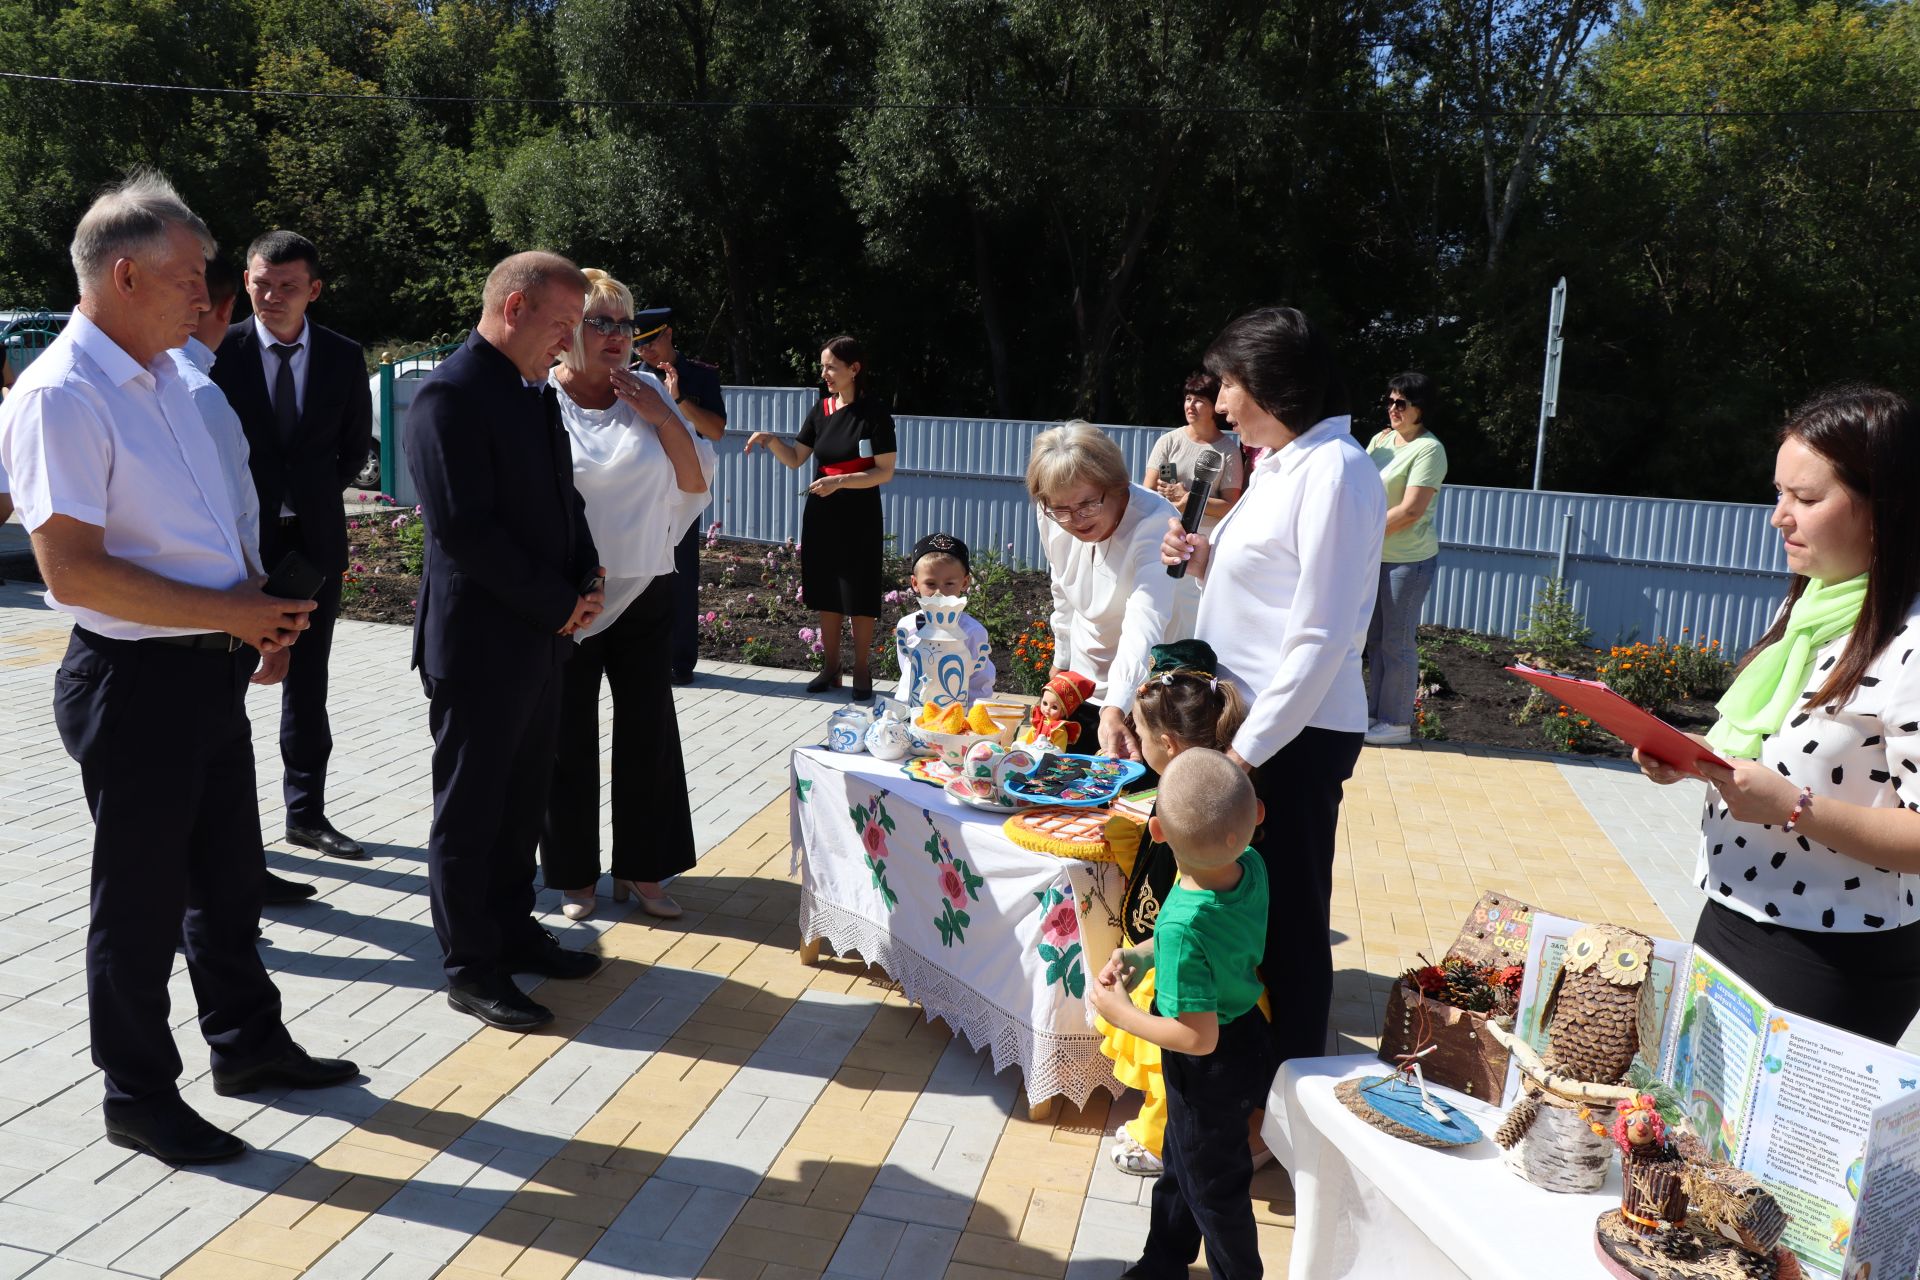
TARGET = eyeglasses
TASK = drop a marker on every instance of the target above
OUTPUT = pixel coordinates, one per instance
(608, 326)
(1061, 515)
(1395, 402)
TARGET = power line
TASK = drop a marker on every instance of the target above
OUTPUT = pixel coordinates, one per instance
(1016, 108)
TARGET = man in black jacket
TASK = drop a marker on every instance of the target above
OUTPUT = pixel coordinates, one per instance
(301, 393)
(511, 573)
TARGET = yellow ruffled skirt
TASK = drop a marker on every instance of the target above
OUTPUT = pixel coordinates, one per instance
(1136, 1064)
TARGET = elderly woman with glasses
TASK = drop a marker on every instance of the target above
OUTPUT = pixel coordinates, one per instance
(1413, 466)
(643, 472)
(1112, 597)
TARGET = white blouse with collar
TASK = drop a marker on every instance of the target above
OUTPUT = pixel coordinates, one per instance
(1111, 599)
(1864, 752)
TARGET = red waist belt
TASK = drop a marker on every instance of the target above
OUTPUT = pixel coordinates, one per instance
(851, 466)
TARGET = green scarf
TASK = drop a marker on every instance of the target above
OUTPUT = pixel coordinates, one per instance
(1757, 702)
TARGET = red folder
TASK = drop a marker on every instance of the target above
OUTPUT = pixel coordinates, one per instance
(1635, 726)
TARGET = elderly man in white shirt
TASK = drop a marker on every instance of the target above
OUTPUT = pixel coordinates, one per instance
(130, 507)
(1291, 574)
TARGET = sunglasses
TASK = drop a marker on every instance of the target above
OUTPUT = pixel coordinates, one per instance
(608, 326)
(1395, 402)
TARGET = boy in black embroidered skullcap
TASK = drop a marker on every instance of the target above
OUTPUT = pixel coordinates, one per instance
(938, 568)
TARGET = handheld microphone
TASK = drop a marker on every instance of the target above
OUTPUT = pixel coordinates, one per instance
(1206, 471)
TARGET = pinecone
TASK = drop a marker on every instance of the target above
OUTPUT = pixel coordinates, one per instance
(1518, 1121)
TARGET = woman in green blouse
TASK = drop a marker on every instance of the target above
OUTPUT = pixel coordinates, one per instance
(1413, 466)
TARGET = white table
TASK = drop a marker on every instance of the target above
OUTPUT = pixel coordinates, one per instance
(997, 941)
(1368, 1205)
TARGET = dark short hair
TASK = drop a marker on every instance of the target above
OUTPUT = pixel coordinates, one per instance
(1285, 363)
(1420, 391)
(848, 350)
(1870, 436)
(279, 247)
(223, 279)
(1201, 383)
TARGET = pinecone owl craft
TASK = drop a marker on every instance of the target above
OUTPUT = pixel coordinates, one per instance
(1598, 1012)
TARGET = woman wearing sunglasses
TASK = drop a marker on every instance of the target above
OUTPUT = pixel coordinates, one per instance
(1413, 466)
(1111, 595)
(643, 473)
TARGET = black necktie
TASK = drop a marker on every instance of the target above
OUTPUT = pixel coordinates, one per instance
(286, 400)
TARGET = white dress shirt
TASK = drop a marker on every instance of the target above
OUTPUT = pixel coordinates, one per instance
(1112, 599)
(270, 367)
(1865, 751)
(91, 434)
(194, 361)
(270, 361)
(1290, 588)
(635, 510)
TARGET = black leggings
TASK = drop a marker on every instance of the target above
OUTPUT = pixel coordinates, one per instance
(1301, 785)
(1866, 983)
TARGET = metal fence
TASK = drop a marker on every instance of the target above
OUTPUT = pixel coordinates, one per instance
(1639, 568)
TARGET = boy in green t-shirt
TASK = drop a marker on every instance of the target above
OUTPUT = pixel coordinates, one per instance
(1214, 1044)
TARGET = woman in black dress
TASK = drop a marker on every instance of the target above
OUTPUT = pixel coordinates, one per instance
(850, 436)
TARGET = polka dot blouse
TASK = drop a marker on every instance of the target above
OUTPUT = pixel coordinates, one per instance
(1864, 752)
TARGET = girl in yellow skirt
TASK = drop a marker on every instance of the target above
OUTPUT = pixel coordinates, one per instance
(1183, 704)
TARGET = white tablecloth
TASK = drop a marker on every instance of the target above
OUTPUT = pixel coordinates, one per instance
(998, 941)
(1368, 1205)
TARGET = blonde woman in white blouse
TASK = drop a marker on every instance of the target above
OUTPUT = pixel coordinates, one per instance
(643, 473)
(1112, 597)
(1290, 576)
(1810, 842)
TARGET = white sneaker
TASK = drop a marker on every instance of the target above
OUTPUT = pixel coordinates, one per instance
(1389, 735)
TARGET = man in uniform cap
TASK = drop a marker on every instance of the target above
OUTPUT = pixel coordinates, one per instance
(695, 388)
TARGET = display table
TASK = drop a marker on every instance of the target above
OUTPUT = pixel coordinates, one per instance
(997, 941)
(1369, 1205)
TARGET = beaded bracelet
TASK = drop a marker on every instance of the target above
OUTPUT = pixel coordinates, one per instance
(1800, 807)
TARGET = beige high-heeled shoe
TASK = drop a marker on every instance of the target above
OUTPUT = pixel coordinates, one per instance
(576, 904)
(662, 906)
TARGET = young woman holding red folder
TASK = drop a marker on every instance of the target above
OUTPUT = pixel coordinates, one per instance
(1810, 842)
(850, 435)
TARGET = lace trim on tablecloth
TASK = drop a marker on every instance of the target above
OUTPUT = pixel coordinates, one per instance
(1068, 1066)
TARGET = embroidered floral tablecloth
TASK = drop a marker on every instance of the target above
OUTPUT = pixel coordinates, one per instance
(997, 941)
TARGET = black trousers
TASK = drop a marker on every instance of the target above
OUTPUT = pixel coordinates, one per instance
(1202, 1194)
(492, 761)
(652, 819)
(306, 735)
(1301, 785)
(165, 752)
(685, 627)
(1866, 983)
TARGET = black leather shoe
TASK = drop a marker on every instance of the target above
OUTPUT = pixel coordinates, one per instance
(176, 1135)
(824, 681)
(327, 841)
(863, 693)
(551, 960)
(507, 1008)
(294, 1069)
(280, 891)
(683, 677)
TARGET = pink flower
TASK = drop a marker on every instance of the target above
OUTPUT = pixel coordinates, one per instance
(413, 604)
(817, 647)
(366, 498)
(353, 524)
(714, 527)
(359, 568)
(1061, 925)
(806, 635)
(876, 841)
(711, 615)
(953, 886)
(892, 597)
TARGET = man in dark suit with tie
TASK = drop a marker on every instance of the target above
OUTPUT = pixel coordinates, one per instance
(511, 573)
(301, 393)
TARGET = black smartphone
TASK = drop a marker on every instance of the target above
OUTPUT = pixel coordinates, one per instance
(595, 582)
(1169, 473)
(294, 578)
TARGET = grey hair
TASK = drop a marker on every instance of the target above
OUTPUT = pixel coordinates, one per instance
(1076, 452)
(129, 221)
(528, 273)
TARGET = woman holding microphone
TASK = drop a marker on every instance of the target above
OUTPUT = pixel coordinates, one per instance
(1290, 576)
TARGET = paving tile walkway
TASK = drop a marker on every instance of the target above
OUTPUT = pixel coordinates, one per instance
(705, 1106)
